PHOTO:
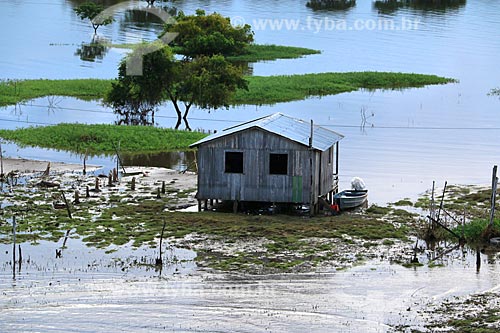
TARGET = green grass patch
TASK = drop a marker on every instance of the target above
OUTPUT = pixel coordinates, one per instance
(403, 202)
(13, 91)
(285, 88)
(99, 139)
(262, 89)
(477, 231)
(254, 52)
(272, 52)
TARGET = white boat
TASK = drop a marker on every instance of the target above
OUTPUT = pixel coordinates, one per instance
(350, 198)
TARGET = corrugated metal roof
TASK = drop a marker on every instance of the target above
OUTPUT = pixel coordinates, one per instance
(291, 128)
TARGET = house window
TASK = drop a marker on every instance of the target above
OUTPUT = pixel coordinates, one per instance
(330, 155)
(278, 164)
(233, 162)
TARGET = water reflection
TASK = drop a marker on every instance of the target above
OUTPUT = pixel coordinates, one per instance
(438, 6)
(128, 117)
(146, 19)
(331, 4)
(177, 160)
(96, 49)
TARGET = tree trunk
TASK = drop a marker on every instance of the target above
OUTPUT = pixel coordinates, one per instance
(186, 111)
(177, 110)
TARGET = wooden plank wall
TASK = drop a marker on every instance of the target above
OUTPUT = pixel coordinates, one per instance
(256, 184)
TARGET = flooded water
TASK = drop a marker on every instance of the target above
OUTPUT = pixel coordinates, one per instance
(397, 141)
(88, 290)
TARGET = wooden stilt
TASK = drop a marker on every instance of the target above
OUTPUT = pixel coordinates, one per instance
(235, 206)
(199, 205)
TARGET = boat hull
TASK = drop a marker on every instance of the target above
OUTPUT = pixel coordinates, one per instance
(350, 199)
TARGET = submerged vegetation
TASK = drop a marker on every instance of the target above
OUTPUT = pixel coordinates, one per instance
(261, 89)
(256, 52)
(17, 91)
(102, 139)
(285, 88)
(117, 215)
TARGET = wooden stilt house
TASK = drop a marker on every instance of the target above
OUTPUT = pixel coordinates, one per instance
(277, 159)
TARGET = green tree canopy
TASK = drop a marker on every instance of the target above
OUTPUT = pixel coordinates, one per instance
(206, 81)
(89, 10)
(208, 35)
(137, 97)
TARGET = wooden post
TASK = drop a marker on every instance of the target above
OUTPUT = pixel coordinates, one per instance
(67, 205)
(77, 197)
(478, 260)
(205, 204)
(235, 206)
(431, 209)
(442, 201)
(115, 175)
(85, 162)
(96, 184)
(163, 187)
(312, 171)
(159, 261)
(494, 183)
(110, 179)
(1, 161)
(20, 260)
(87, 192)
(132, 186)
(158, 196)
(14, 247)
(199, 205)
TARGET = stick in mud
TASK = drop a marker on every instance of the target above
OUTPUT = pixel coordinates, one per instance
(494, 184)
(159, 261)
(85, 162)
(20, 260)
(14, 247)
(67, 205)
(1, 161)
(478, 260)
(442, 201)
(77, 197)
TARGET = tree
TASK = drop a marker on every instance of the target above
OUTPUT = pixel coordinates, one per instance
(135, 98)
(208, 82)
(91, 10)
(208, 35)
(203, 77)
(494, 92)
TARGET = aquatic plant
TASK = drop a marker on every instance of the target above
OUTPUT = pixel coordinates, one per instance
(102, 139)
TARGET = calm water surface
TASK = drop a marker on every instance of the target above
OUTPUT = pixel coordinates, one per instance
(408, 139)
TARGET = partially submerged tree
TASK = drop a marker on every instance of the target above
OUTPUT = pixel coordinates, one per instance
(203, 77)
(136, 97)
(90, 10)
(207, 82)
(208, 35)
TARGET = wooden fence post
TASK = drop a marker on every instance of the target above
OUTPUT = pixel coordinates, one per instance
(14, 247)
(494, 183)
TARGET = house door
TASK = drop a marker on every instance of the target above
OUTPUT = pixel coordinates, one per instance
(297, 189)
